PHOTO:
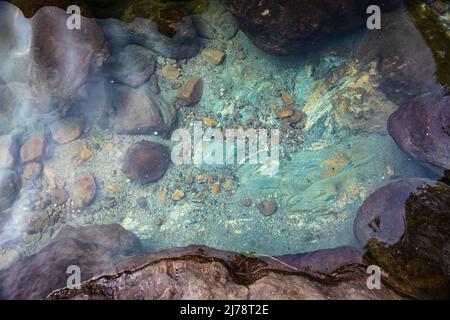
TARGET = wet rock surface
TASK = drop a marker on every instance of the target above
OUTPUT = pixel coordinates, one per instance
(94, 249)
(141, 113)
(406, 63)
(67, 130)
(56, 78)
(203, 273)
(290, 26)
(405, 230)
(146, 162)
(133, 65)
(422, 129)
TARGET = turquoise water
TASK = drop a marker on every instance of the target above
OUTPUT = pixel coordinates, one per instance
(338, 154)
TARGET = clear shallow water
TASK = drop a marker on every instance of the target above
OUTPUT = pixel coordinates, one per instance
(337, 155)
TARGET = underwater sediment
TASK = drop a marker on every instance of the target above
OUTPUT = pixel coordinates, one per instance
(86, 121)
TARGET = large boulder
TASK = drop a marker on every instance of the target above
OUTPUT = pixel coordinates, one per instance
(133, 65)
(201, 273)
(405, 229)
(15, 32)
(61, 59)
(94, 249)
(284, 27)
(422, 129)
(406, 63)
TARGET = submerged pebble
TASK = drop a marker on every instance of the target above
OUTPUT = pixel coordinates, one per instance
(268, 207)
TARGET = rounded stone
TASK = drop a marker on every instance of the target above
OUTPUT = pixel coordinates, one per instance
(146, 162)
(268, 207)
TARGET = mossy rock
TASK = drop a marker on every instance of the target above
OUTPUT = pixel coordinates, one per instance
(164, 13)
(436, 37)
(418, 262)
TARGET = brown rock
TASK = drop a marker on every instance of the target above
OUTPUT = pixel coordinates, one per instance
(215, 188)
(170, 72)
(210, 122)
(178, 195)
(82, 191)
(32, 149)
(285, 113)
(268, 207)
(162, 196)
(67, 130)
(31, 170)
(142, 113)
(214, 56)
(8, 148)
(192, 91)
(247, 202)
(146, 162)
(287, 98)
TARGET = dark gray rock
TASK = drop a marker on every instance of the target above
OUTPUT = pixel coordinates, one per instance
(9, 187)
(285, 27)
(133, 65)
(422, 129)
(406, 63)
(94, 249)
(382, 215)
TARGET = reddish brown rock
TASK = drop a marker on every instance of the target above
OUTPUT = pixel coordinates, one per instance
(192, 91)
(146, 162)
(67, 130)
(32, 149)
(82, 191)
(94, 249)
(214, 56)
(31, 171)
